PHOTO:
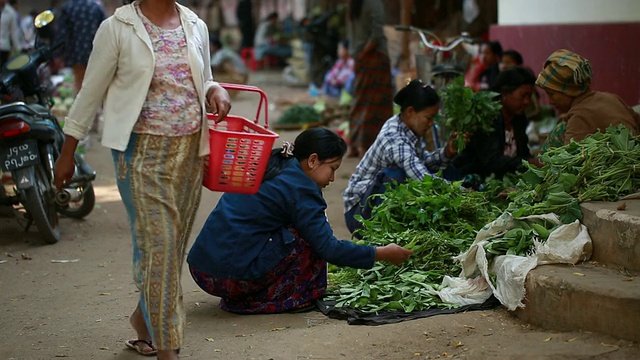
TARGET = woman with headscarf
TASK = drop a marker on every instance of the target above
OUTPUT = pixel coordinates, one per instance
(566, 78)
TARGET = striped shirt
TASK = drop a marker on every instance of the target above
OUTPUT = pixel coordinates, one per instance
(395, 146)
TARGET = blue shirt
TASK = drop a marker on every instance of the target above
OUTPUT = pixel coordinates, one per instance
(245, 236)
(395, 146)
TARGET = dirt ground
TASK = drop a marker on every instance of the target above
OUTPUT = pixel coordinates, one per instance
(80, 309)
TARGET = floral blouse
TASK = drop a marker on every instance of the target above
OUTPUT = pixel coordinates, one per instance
(172, 107)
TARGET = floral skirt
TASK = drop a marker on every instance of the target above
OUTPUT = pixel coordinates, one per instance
(295, 283)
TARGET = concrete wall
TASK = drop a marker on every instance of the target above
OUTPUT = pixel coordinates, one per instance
(527, 12)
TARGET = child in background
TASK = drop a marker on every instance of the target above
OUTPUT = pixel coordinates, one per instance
(341, 75)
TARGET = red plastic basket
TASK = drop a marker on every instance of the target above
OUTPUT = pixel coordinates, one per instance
(240, 149)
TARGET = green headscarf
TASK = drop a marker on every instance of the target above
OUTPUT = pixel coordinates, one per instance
(566, 72)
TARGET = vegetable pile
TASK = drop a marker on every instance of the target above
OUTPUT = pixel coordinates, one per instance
(439, 220)
(604, 166)
(436, 220)
(465, 111)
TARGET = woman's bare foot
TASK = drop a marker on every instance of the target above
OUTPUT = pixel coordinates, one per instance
(137, 322)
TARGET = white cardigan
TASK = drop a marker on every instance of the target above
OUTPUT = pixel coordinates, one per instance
(120, 70)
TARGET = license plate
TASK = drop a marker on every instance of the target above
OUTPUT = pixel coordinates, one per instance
(19, 155)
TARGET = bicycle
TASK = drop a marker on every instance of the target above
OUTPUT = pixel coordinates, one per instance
(433, 69)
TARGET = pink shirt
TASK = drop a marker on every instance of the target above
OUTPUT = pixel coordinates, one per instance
(340, 72)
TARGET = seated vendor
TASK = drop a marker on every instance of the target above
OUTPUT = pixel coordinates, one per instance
(341, 75)
(268, 252)
(398, 153)
(566, 78)
(502, 150)
(226, 65)
(269, 39)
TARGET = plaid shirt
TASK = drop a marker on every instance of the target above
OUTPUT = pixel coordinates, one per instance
(395, 146)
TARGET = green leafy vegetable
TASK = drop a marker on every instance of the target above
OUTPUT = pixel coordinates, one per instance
(436, 220)
(465, 111)
(299, 114)
(603, 166)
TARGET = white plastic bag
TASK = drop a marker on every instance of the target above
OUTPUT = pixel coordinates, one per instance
(461, 291)
(567, 244)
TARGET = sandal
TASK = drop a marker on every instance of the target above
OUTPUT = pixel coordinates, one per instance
(136, 344)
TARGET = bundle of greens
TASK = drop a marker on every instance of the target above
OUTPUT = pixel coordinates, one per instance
(437, 221)
(520, 239)
(299, 114)
(464, 111)
(603, 166)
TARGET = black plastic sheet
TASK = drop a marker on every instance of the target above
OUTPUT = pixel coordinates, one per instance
(356, 317)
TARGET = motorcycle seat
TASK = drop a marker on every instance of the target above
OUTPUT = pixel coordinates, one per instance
(41, 110)
(20, 107)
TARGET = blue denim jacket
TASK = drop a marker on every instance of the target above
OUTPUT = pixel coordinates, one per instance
(245, 236)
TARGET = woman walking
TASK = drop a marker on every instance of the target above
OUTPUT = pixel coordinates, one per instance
(150, 65)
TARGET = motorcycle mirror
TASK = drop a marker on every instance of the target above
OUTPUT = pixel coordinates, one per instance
(43, 19)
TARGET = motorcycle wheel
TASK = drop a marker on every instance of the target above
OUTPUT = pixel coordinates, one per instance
(82, 208)
(42, 208)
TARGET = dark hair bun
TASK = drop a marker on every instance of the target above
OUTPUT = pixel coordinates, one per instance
(417, 95)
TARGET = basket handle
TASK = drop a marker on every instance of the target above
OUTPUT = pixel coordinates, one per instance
(263, 99)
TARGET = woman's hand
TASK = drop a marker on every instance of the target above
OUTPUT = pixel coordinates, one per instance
(393, 253)
(218, 101)
(451, 149)
(65, 165)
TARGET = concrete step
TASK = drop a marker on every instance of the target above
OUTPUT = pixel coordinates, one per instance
(614, 228)
(585, 297)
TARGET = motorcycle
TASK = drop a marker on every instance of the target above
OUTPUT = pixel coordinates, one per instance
(31, 140)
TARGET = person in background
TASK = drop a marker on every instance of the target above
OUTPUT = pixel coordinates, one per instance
(566, 78)
(341, 74)
(502, 150)
(398, 153)
(29, 29)
(268, 252)
(373, 92)
(244, 14)
(79, 22)
(511, 58)
(150, 66)
(269, 40)
(322, 33)
(491, 54)
(11, 40)
(227, 65)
